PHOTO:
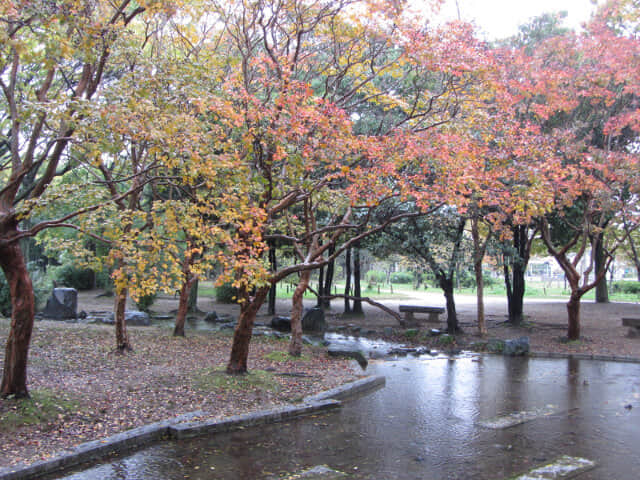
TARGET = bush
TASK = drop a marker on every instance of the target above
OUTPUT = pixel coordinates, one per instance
(376, 276)
(401, 277)
(74, 277)
(41, 289)
(467, 279)
(104, 280)
(145, 301)
(491, 281)
(226, 293)
(626, 286)
(5, 297)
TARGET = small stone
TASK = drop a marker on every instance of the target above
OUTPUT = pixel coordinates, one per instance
(516, 347)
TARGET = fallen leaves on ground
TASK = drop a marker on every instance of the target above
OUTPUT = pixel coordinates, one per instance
(104, 392)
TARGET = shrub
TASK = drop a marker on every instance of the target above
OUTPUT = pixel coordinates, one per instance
(401, 277)
(626, 286)
(5, 297)
(376, 276)
(74, 277)
(467, 279)
(490, 281)
(226, 293)
(144, 302)
(41, 289)
(104, 280)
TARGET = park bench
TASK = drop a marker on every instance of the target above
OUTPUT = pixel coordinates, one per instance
(409, 310)
(634, 326)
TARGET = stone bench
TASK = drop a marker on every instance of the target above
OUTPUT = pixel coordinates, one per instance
(634, 326)
(409, 310)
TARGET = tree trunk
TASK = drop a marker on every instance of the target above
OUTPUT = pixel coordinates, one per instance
(446, 284)
(328, 279)
(192, 301)
(478, 254)
(242, 335)
(273, 262)
(573, 309)
(320, 287)
(347, 282)
(14, 377)
(190, 282)
(295, 346)
(357, 290)
(516, 287)
(602, 292)
(122, 337)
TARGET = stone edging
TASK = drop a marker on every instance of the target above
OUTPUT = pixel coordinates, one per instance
(582, 356)
(186, 426)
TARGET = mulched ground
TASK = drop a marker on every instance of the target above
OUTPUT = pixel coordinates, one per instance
(166, 376)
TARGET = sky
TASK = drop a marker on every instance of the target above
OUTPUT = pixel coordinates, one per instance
(500, 18)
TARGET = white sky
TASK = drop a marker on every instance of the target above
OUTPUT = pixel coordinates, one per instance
(500, 18)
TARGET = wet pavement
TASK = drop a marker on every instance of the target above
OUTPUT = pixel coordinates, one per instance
(437, 418)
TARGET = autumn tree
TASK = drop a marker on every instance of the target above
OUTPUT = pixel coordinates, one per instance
(54, 58)
(306, 71)
(584, 92)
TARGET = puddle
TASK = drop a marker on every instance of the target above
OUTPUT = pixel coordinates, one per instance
(426, 423)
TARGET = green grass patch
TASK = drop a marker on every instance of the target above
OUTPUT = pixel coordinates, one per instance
(411, 333)
(446, 340)
(281, 357)
(211, 379)
(43, 407)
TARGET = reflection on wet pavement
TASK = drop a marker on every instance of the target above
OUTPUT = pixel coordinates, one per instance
(427, 423)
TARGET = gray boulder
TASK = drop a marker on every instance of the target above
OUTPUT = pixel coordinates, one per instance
(62, 305)
(516, 347)
(313, 321)
(212, 317)
(133, 318)
(347, 352)
(282, 324)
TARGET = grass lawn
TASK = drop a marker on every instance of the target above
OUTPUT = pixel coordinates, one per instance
(400, 291)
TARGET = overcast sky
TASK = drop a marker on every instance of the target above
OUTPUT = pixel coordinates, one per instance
(500, 18)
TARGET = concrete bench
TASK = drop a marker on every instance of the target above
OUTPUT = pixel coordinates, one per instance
(409, 310)
(634, 326)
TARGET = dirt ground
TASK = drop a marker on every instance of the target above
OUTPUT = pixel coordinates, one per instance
(546, 320)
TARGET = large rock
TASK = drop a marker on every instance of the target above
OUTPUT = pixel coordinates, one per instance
(313, 321)
(63, 304)
(212, 317)
(348, 352)
(282, 324)
(133, 318)
(516, 347)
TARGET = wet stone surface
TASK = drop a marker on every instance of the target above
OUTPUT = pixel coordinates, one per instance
(426, 424)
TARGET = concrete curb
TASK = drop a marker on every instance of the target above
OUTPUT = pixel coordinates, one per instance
(342, 392)
(122, 442)
(275, 415)
(183, 427)
(584, 356)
